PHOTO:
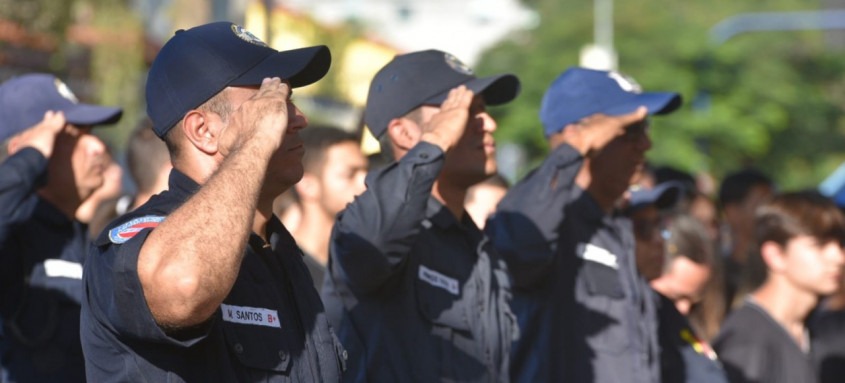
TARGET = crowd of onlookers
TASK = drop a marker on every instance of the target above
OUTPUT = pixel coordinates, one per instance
(252, 248)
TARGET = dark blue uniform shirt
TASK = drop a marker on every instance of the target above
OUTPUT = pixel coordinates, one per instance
(41, 256)
(585, 314)
(422, 296)
(271, 327)
(683, 356)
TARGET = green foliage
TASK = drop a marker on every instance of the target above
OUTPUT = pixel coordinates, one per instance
(117, 65)
(773, 100)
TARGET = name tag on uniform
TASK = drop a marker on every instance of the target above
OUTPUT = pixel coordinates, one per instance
(251, 315)
(439, 280)
(599, 255)
(64, 269)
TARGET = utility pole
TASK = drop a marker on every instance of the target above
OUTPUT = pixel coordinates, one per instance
(601, 54)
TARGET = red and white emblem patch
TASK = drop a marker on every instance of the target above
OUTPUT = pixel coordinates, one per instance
(129, 229)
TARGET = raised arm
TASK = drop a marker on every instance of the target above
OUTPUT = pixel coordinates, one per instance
(526, 226)
(373, 237)
(21, 172)
(190, 262)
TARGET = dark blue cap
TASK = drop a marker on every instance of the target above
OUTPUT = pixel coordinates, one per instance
(198, 63)
(425, 78)
(662, 196)
(578, 93)
(25, 99)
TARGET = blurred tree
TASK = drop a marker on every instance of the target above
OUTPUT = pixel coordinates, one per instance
(773, 100)
(117, 63)
(49, 19)
(97, 46)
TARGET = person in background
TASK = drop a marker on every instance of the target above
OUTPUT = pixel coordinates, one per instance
(482, 198)
(149, 166)
(423, 295)
(799, 237)
(148, 161)
(99, 209)
(740, 193)
(51, 164)
(685, 355)
(585, 313)
(646, 209)
(203, 283)
(334, 174)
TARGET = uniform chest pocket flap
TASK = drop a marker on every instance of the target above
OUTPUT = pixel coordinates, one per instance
(257, 344)
(601, 272)
(439, 299)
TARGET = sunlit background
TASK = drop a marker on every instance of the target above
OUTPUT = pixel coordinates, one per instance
(763, 81)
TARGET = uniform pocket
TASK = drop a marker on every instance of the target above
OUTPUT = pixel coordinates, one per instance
(606, 308)
(258, 347)
(602, 280)
(438, 300)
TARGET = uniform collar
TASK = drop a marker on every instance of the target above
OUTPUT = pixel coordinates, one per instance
(181, 185)
(587, 207)
(439, 215)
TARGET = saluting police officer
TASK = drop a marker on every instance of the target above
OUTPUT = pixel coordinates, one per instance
(202, 283)
(51, 164)
(423, 296)
(585, 313)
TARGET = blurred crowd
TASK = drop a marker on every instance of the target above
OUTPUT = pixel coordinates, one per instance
(732, 279)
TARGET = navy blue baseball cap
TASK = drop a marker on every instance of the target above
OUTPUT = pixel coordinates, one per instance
(425, 78)
(25, 99)
(196, 64)
(579, 92)
(662, 196)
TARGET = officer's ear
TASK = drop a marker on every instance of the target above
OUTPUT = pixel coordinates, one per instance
(404, 133)
(308, 188)
(198, 128)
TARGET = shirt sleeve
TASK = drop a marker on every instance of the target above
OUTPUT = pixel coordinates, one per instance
(374, 235)
(20, 176)
(116, 298)
(525, 227)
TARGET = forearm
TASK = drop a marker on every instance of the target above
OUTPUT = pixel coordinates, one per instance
(376, 233)
(189, 263)
(19, 178)
(526, 227)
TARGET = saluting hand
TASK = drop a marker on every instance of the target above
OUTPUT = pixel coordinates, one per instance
(264, 117)
(447, 126)
(42, 136)
(592, 134)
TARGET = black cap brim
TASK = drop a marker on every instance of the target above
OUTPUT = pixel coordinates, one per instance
(303, 66)
(85, 114)
(496, 90)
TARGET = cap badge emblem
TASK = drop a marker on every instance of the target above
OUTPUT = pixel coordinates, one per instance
(64, 91)
(457, 65)
(247, 36)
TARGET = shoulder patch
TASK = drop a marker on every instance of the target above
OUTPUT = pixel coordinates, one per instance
(126, 231)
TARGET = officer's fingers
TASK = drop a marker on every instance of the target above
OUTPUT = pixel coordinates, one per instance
(635, 116)
(465, 96)
(449, 102)
(52, 123)
(268, 86)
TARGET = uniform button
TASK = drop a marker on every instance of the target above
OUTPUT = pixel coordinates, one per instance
(283, 355)
(345, 355)
(239, 348)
